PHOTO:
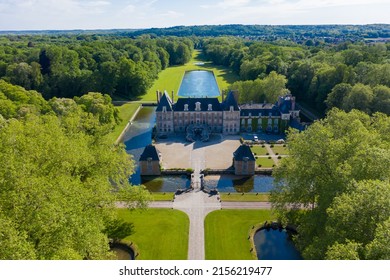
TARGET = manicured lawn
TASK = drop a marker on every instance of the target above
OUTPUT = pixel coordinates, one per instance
(170, 78)
(244, 197)
(227, 231)
(158, 196)
(259, 150)
(265, 162)
(126, 111)
(280, 150)
(160, 234)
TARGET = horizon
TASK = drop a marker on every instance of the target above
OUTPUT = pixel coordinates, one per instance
(67, 15)
(168, 27)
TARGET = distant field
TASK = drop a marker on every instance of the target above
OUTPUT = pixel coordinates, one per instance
(160, 234)
(227, 231)
(126, 111)
(170, 78)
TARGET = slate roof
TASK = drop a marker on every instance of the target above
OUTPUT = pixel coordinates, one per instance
(244, 151)
(286, 104)
(204, 104)
(230, 101)
(164, 101)
(255, 109)
(150, 151)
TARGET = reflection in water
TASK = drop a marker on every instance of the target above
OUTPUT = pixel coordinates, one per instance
(166, 183)
(274, 244)
(199, 83)
(230, 183)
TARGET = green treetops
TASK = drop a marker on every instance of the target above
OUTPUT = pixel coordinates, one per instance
(339, 170)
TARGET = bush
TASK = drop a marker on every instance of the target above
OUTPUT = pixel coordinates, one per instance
(263, 146)
(279, 157)
(284, 145)
(272, 146)
(242, 140)
(259, 165)
(267, 154)
(269, 157)
(276, 153)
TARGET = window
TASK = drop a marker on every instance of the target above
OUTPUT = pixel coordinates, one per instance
(164, 109)
(197, 106)
(210, 107)
(185, 107)
(231, 108)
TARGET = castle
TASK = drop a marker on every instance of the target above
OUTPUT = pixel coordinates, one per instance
(199, 117)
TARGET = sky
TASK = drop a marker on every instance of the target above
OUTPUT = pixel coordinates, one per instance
(135, 14)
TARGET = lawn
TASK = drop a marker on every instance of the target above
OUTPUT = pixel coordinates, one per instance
(280, 150)
(265, 162)
(262, 197)
(170, 78)
(126, 111)
(227, 231)
(160, 234)
(159, 196)
(259, 150)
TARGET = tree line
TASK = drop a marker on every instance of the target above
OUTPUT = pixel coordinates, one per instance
(346, 76)
(67, 66)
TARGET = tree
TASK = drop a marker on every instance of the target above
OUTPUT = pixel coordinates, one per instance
(337, 95)
(324, 161)
(360, 97)
(58, 190)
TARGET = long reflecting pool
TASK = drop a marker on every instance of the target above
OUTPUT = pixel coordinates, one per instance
(230, 183)
(274, 244)
(199, 83)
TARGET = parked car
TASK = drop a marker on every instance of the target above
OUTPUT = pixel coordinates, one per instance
(255, 138)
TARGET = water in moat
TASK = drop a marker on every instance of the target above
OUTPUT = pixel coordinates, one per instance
(230, 183)
(275, 244)
(199, 83)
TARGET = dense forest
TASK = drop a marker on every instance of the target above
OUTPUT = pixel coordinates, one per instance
(67, 66)
(345, 75)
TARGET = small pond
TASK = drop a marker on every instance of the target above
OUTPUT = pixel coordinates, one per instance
(275, 244)
(230, 183)
(122, 251)
(199, 83)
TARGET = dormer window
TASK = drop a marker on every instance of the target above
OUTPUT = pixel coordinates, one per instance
(259, 114)
(270, 114)
(164, 109)
(185, 107)
(197, 106)
(210, 107)
(250, 114)
(231, 108)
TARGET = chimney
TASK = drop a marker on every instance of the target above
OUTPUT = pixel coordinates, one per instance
(223, 95)
(173, 100)
(157, 97)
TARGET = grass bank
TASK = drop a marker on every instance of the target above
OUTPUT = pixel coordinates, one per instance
(227, 231)
(126, 111)
(170, 78)
(160, 234)
(261, 197)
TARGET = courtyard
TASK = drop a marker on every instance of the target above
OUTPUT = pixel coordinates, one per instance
(217, 153)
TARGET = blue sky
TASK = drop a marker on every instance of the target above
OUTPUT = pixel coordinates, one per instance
(108, 14)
